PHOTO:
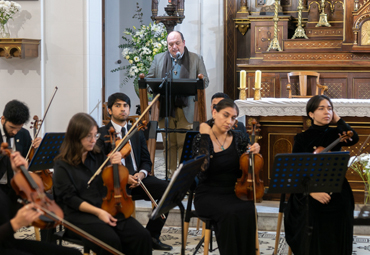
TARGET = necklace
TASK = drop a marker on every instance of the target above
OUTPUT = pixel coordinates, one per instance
(221, 145)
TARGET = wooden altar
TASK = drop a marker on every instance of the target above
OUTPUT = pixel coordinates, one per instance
(340, 53)
(282, 118)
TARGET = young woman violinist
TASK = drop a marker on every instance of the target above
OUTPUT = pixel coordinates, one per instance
(330, 215)
(79, 158)
(215, 196)
(9, 224)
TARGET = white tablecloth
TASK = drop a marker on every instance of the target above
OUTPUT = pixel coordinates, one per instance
(297, 107)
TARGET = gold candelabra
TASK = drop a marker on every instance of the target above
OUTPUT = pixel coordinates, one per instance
(242, 93)
(323, 21)
(299, 32)
(257, 93)
(275, 41)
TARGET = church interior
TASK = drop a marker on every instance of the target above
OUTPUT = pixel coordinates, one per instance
(269, 56)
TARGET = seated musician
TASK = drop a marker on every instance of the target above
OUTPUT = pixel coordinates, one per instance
(217, 97)
(78, 160)
(138, 162)
(330, 215)
(10, 223)
(215, 196)
(15, 115)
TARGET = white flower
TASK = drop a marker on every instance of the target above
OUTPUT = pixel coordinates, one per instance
(137, 59)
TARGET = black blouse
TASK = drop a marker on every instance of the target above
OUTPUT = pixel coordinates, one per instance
(70, 187)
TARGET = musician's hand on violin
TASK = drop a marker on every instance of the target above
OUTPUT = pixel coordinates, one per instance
(36, 142)
(255, 148)
(132, 181)
(107, 218)
(116, 158)
(204, 128)
(25, 216)
(17, 160)
(322, 197)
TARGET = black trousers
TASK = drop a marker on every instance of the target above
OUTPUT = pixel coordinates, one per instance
(128, 236)
(156, 188)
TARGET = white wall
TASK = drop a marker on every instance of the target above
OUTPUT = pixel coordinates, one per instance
(202, 29)
(69, 58)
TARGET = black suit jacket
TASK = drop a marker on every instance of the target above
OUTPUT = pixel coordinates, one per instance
(23, 142)
(138, 145)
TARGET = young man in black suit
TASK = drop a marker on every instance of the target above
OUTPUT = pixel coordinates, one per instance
(15, 115)
(138, 162)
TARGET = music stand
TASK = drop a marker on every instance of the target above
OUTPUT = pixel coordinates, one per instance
(46, 152)
(168, 87)
(306, 173)
(187, 152)
(176, 190)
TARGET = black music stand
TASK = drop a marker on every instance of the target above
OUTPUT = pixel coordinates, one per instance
(306, 173)
(173, 87)
(187, 150)
(46, 152)
(176, 190)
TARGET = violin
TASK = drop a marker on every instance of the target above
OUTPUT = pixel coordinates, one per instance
(341, 138)
(45, 175)
(115, 178)
(30, 187)
(250, 185)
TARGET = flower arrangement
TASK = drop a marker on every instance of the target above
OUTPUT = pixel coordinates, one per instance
(7, 10)
(139, 48)
(361, 165)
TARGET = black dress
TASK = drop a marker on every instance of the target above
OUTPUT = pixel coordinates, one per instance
(215, 196)
(332, 223)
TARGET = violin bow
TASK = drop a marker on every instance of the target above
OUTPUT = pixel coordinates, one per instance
(121, 143)
(46, 111)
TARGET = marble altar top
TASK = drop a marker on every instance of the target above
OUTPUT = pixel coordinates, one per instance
(297, 107)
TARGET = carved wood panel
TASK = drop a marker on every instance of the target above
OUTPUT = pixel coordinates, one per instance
(264, 34)
(361, 88)
(268, 85)
(337, 87)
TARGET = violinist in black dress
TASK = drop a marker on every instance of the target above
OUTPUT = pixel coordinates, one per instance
(215, 197)
(330, 215)
(77, 162)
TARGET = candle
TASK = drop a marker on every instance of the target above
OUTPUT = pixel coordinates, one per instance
(243, 79)
(257, 79)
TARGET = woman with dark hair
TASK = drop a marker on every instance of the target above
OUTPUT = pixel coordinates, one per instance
(330, 215)
(215, 196)
(78, 160)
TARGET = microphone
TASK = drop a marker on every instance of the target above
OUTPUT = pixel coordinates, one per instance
(178, 55)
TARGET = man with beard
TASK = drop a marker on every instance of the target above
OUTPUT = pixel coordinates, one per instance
(15, 115)
(138, 162)
(187, 65)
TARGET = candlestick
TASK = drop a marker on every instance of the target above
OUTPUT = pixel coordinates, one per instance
(257, 79)
(243, 79)
(242, 93)
(257, 93)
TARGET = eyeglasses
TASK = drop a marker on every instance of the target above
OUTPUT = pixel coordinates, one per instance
(90, 136)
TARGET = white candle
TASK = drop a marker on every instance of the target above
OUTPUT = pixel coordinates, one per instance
(257, 79)
(243, 79)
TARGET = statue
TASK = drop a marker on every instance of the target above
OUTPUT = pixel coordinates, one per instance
(269, 8)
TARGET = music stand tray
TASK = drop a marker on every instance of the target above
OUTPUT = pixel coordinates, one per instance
(187, 150)
(307, 172)
(180, 183)
(46, 152)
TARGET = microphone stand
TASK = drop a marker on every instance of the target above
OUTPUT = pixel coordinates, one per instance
(168, 104)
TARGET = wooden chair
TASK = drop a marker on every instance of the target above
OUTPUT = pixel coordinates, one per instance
(303, 84)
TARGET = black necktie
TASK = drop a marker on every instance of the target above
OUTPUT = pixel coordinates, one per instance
(128, 159)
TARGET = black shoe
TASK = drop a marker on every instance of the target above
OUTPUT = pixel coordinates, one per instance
(158, 245)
